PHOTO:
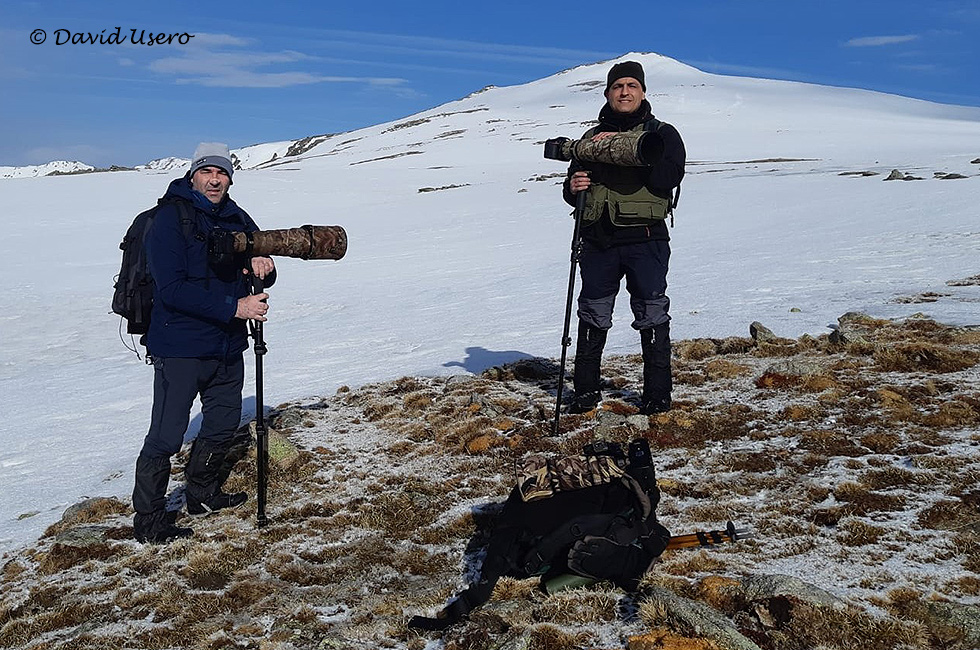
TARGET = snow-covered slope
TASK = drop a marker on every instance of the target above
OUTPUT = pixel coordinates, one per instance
(459, 244)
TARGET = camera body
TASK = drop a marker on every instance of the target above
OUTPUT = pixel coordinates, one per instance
(554, 149)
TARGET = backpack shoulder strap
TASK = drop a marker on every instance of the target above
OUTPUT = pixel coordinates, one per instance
(653, 124)
(185, 215)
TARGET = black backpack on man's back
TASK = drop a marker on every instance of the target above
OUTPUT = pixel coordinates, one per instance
(133, 295)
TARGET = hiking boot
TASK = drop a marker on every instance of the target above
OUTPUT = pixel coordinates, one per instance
(657, 381)
(205, 472)
(158, 527)
(586, 377)
(219, 501)
(585, 403)
(653, 406)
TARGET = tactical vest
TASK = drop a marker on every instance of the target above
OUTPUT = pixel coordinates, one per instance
(622, 192)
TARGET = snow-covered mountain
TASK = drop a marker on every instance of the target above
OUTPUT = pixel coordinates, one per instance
(169, 163)
(459, 250)
(54, 167)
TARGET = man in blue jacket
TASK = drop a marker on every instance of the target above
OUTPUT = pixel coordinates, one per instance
(196, 339)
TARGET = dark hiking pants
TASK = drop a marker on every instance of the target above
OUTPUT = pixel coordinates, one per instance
(176, 384)
(644, 265)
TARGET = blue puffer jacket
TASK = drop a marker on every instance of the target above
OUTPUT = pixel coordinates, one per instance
(195, 299)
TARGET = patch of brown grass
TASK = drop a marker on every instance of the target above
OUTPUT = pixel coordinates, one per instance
(951, 414)
(830, 442)
(924, 357)
(34, 623)
(725, 369)
(895, 477)
(881, 442)
(967, 585)
(93, 511)
(212, 566)
(824, 627)
(578, 607)
(862, 500)
(856, 532)
(688, 564)
(759, 461)
(663, 639)
(549, 637)
(65, 556)
(461, 527)
(695, 349)
(948, 515)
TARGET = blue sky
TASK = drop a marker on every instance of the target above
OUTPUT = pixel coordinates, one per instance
(262, 71)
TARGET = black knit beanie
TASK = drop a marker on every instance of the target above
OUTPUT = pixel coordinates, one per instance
(625, 69)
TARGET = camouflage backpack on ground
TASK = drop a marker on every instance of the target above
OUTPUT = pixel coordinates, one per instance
(585, 517)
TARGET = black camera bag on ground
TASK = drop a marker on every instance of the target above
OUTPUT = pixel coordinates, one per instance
(605, 531)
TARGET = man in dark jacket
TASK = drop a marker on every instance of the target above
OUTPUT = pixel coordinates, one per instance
(624, 234)
(196, 339)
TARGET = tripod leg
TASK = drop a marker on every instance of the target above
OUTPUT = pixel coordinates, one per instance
(565, 338)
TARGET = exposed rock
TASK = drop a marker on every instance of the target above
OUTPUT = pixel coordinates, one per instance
(760, 333)
(289, 418)
(897, 175)
(282, 452)
(638, 422)
(965, 618)
(926, 296)
(689, 616)
(82, 536)
(82, 512)
(536, 368)
(795, 368)
(607, 422)
(853, 327)
(948, 176)
(972, 281)
(766, 587)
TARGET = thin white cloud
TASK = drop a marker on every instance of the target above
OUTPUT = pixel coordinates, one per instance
(396, 46)
(210, 63)
(205, 39)
(763, 72)
(216, 61)
(878, 41)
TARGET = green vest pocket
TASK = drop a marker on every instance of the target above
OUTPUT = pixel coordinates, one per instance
(637, 213)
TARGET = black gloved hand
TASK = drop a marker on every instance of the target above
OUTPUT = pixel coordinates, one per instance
(603, 559)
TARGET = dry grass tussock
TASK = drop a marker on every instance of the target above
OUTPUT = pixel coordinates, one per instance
(847, 455)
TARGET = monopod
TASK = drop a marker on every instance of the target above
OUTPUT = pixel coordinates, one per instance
(308, 243)
(566, 340)
(261, 432)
